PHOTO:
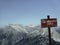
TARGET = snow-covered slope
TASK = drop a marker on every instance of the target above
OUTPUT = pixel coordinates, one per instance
(15, 32)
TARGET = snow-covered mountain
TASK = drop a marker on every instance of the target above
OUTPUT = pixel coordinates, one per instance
(17, 34)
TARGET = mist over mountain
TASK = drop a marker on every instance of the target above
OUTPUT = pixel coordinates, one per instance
(16, 34)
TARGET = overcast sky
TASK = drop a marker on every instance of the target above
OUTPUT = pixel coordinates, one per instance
(28, 11)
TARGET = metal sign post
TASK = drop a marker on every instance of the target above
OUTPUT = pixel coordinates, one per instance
(49, 22)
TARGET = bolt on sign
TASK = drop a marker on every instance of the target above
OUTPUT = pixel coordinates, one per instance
(52, 22)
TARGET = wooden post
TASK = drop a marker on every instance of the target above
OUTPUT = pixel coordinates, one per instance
(49, 22)
(49, 32)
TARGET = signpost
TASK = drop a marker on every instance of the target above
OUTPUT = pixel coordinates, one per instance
(49, 22)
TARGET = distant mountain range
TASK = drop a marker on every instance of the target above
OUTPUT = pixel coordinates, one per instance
(17, 34)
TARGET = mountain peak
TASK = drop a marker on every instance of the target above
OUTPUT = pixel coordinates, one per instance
(17, 27)
(31, 25)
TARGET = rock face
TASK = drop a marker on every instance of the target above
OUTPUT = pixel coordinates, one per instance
(27, 35)
(39, 40)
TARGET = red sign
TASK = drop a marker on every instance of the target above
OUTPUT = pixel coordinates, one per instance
(52, 22)
(49, 22)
